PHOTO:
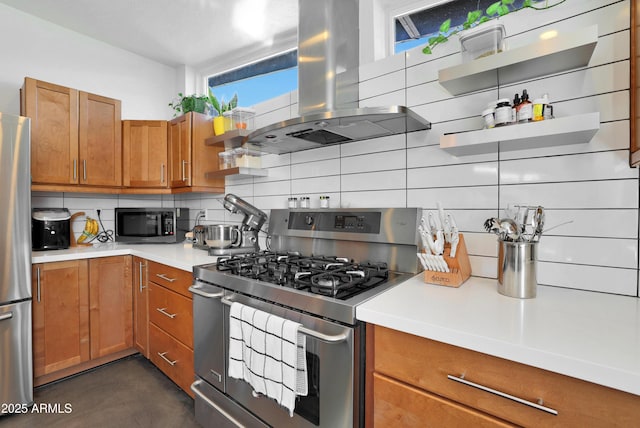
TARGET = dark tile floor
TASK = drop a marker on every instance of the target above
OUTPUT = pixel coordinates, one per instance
(123, 394)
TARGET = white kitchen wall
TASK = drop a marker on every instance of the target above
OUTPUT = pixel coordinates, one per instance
(589, 184)
(36, 48)
(42, 50)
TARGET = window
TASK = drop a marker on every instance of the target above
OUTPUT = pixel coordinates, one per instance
(258, 81)
(415, 28)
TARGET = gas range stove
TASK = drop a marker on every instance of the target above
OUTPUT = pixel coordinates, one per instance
(369, 251)
(336, 277)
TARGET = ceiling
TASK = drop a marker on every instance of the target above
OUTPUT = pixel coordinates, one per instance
(175, 32)
(203, 34)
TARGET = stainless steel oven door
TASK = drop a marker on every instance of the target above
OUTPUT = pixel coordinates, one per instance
(333, 380)
(208, 333)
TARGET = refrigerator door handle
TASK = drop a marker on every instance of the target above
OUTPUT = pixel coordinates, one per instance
(6, 316)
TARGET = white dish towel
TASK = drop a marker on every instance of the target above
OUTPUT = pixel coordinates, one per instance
(269, 353)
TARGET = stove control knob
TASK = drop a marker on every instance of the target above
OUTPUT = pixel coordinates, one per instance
(308, 220)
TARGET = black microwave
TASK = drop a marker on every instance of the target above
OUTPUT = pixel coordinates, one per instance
(151, 225)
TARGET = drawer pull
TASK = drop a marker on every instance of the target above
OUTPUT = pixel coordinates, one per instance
(164, 312)
(462, 380)
(166, 278)
(9, 315)
(162, 355)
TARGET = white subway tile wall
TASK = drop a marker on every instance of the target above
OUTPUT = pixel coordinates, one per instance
(589, 184)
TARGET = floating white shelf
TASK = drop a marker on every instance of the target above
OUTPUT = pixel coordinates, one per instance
(552, 132)
(560, 53)
(239, 171)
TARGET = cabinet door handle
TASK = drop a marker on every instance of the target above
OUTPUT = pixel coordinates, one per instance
(184, 175)
(140, 275)
(38, 284)
(162, 355)
(538, 406)
(84, 169)
(6, 316)
(162, 173)
(164, 312)
(166, 278)
(75, 169)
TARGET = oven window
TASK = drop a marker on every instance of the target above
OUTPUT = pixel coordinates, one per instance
(309, 406)
(139, 224)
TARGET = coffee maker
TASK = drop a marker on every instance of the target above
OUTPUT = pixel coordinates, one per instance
(253, 221)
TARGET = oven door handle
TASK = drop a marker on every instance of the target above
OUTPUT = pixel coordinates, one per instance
(194, 388)
(197, 290)
(336, 338)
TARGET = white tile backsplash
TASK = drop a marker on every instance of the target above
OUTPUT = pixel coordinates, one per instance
(589, 184)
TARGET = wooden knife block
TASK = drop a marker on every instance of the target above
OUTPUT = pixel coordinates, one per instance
(459, 266)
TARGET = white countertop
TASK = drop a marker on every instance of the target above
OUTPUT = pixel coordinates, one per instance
(181, 256)
(587, 335)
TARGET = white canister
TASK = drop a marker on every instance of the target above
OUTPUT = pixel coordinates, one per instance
(503, 112)
(489, 120)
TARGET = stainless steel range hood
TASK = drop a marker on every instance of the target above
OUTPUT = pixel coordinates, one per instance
(328, 60)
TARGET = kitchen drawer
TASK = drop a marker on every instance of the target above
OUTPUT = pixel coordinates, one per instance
(174, 279)
(426, 363)
(172, 357)
(171, 312)
(399, 405)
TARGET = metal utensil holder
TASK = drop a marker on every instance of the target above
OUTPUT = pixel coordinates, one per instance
(517, 268)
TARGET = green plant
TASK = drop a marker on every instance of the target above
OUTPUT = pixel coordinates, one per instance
(477, 17)
(221, 106)
(184, 104)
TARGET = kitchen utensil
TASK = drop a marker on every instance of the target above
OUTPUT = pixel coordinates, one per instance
(538, 218)
(455, 235)
(222, 236)
(506, 228)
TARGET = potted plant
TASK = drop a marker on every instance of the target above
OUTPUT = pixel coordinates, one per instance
(221, 108)
(184, 104)
(478, 17)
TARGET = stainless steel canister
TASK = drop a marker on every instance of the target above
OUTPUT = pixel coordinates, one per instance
(517, 266)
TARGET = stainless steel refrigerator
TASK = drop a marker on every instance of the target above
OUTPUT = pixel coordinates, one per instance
(16, 363)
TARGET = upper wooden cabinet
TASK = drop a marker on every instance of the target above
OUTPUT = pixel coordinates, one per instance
(76, 137)
(145, 154)
(189, 157)
(100, 140)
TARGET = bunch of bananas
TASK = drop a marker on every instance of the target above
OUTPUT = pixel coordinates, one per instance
(91, 229)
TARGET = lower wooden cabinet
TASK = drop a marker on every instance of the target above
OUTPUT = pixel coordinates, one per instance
(171, 323)
(397, 404)
(82, 315)
(110, 305)
(172, 357)
(60, 316)
(419, 378)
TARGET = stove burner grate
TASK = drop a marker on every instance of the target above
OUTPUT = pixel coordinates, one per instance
(335, 277)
